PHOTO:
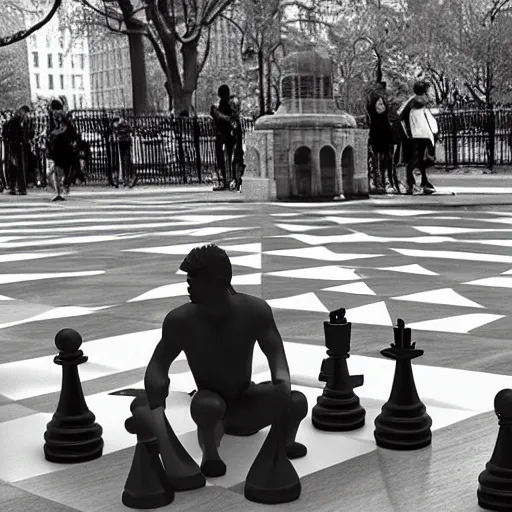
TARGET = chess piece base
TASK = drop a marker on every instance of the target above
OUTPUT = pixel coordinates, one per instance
(144, 503)
(333, 414)
(495, 492)
(145, 486)
(403, 427)
(272, 496)
(74, 444)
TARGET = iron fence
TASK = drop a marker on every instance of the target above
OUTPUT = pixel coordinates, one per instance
(480, 137)
(170, 150)
(165, 149)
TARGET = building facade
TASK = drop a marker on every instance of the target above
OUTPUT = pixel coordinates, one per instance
(58, 65)
(111, 81)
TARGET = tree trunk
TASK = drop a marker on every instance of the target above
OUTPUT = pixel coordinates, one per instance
(169, 94)
(138, 69)
(183, 103)
(261, 80)
(269, 86)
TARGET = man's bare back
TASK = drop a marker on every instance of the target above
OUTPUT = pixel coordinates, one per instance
(219, 350)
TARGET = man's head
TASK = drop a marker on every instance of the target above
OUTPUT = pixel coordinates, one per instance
(23, 111)
(209, 274)
(56, 105)
(421, 88)
(224, 92)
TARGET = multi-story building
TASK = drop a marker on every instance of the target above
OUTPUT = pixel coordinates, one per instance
(111, 81)
(58, 65)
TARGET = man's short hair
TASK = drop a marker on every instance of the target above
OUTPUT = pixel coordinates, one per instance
(56, 105)
(210, 262)
(420, 88)
(25, 108)
(224, 91)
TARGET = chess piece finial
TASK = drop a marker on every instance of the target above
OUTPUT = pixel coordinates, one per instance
(68, 341)
(496, 479)
(338, 409)
(403, 423)
(338, 316)
(73, 434)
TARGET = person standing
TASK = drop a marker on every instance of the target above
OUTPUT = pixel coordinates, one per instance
(381, 140)
(224, 138)
(58, 111)
(61, 152)
(18, 133)
(123, 131)
(420, 129)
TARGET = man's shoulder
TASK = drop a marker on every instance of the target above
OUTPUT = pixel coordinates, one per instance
(259, 305)
(180, 314)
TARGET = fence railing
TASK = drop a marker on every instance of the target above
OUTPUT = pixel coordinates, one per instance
(475, 137)
(169, 150)
(165, 149)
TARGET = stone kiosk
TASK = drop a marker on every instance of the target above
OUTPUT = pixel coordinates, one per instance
(308, 148)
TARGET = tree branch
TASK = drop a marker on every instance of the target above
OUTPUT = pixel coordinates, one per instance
(23, 34)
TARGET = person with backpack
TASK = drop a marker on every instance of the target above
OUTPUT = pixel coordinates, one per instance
(420, 134)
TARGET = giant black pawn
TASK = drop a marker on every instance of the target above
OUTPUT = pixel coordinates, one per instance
(338, 409)
(272, 479)
(73, 434)
(495, 490)
(403, 423)
(147, 485)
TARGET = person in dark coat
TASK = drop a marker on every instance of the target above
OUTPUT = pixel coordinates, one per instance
(123, 130)
(61, 152)
(224, 138)
(18, 133)
(381, 140)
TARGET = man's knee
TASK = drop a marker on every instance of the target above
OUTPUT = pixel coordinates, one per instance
(299, 405)
(207, 407)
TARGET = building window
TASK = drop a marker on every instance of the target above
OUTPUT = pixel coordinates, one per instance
(61, 60)
(72, 61)
(81, 101)
(35, 59)
(74, 100)
(82, 60)
(61, 81)
(38, 84)
(50, 60)
(77, 81)
(50, 81)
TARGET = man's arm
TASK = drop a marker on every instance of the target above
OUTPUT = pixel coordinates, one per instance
(272, 346)
(156, 379)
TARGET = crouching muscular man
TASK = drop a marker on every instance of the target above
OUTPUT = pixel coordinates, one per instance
(217, 331)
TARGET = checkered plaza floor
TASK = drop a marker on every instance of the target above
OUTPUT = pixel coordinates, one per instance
(107, 266)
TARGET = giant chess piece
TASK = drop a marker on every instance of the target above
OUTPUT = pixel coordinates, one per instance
(147, 485)
(272, 479)
(73, 434)
(181, 469)
(403, 423)
(338, 409)
(495, 490)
